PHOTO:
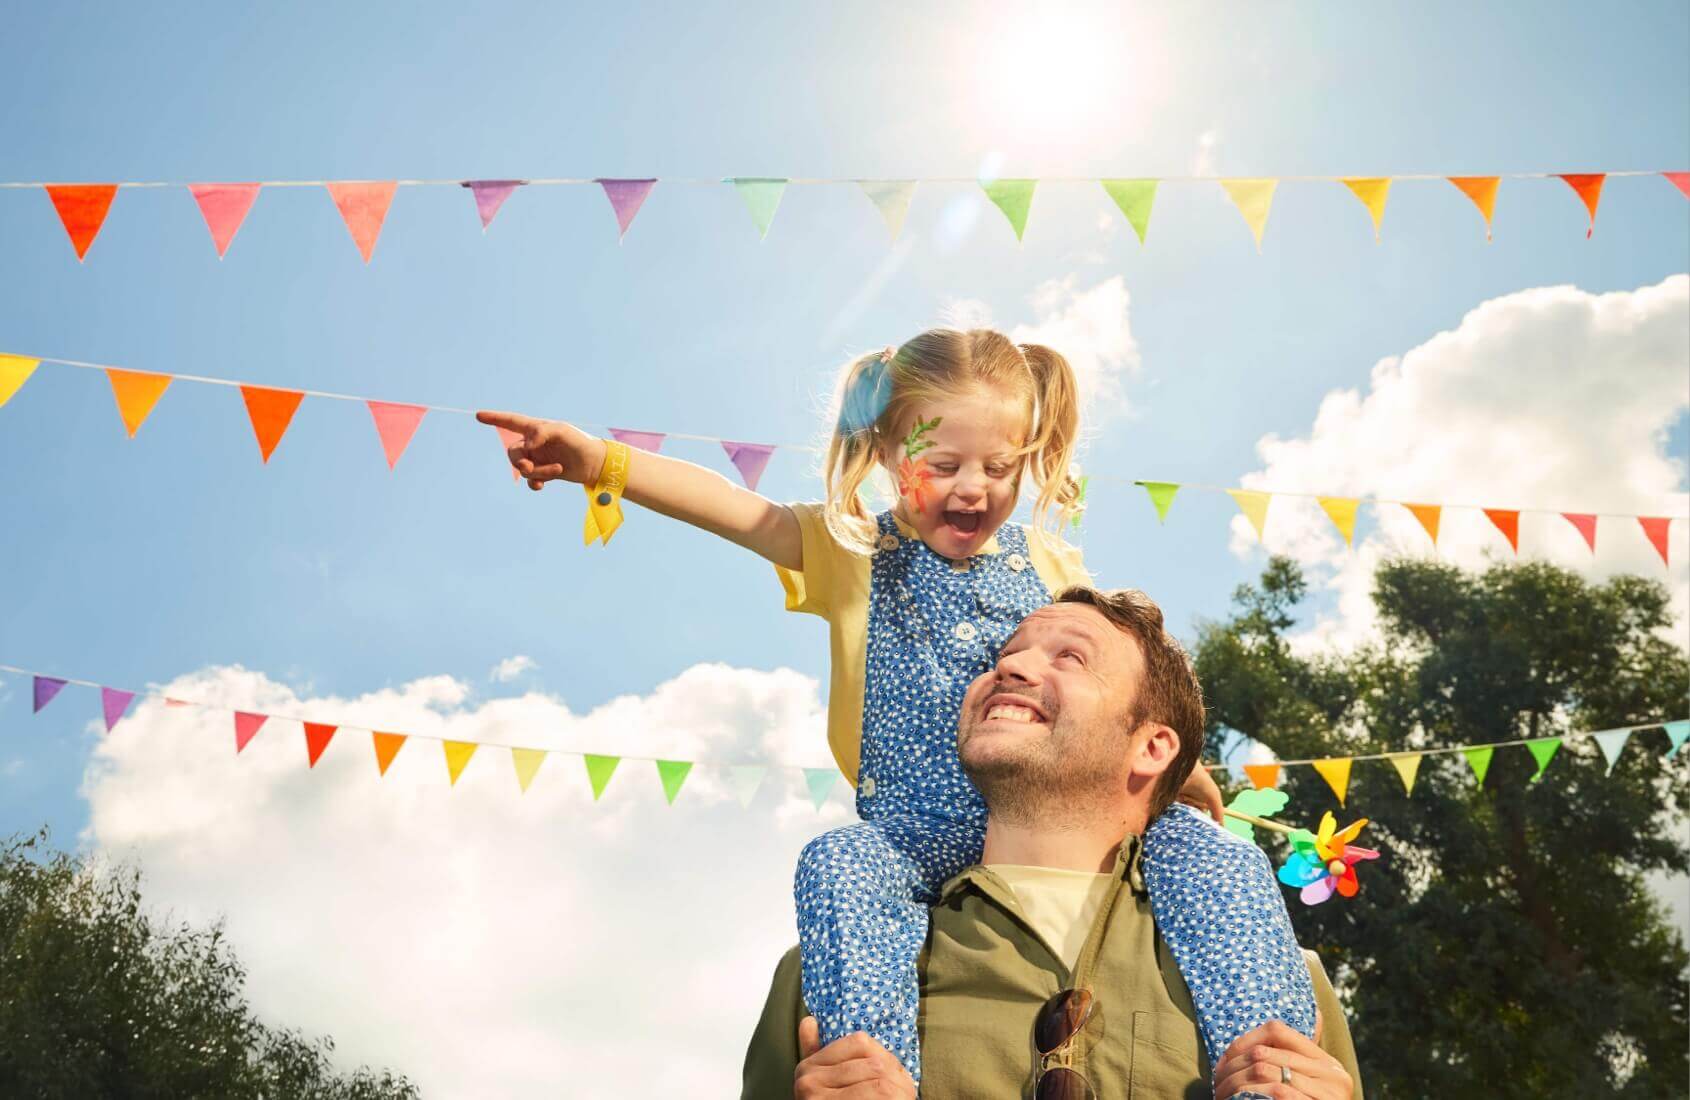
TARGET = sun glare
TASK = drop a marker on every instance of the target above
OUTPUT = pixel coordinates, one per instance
(1052, 78)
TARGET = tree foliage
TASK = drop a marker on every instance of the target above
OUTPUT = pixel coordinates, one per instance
(1507, 943)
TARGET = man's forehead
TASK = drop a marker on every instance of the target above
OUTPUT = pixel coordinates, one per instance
(1076, 618)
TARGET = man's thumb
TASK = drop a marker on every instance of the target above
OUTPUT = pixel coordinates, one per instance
(809, 1037)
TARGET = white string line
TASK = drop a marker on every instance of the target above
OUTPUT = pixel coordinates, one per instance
(1440, 751)
(812, 449)
(713, 181)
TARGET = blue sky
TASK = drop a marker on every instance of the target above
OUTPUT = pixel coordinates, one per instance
(134, 561)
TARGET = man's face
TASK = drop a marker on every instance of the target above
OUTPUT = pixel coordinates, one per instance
(1053, 715)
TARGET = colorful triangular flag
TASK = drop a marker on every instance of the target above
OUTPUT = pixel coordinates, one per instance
(1080, 500)
(317, 738)
(1586, 525)
(1612, 743)
(1543, 751)
(46, 687)
(1372, 192)
(507, 440)
(820, 782)
(113, 704)
(762, 198)
(387, 746)
(1479, 760)
(599, 771)
(892, 199)
(136, 392)
(626, 197)
(1408, 767)
(395, 424)
(1508, 522)
(363, 207)
(526, 762)
(1677, 732)
(1135, 198)
(1262, 775)
(746, 779)
(1254, 199)
(224, 206)
(1655, 530)
(489, 196)
(1162, 495)
(1428, 515)
(1680, 180)
(82, 209)
(750, 459)
(672, 773)
(247, 726)
(14, 372)
(1254, 505)
(1342, 512)
(645, 441)
(1336, 772)
(1014, 198)
(1588, 187)
(270, 412)
(1482, 191)
(457, 755)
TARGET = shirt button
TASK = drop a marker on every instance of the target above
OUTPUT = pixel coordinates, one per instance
(888, 542)
(960, 565)
(868, 786)
(965, 631)
(1017, 562)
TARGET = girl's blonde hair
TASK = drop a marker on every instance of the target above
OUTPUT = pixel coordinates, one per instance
(877, 400)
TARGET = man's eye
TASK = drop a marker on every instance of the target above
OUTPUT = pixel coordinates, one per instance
(1076, 655)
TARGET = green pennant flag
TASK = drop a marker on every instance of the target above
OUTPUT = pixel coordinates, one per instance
(1014, 198)
(746, 779)
(599, 771)
(1543, 751)
(1479, 760)
(1134, 198)
(762, 198)
(673, 773)
(1678, 731)
(1162, 496)
(820, 782)
(1080, 502)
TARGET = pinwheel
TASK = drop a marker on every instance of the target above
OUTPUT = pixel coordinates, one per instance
(1325, 861)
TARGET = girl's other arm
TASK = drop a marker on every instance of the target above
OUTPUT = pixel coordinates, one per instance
(552, 450)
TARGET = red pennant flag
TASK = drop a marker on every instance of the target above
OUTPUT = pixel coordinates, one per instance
(224, 207)
(1588, 188)
(82, 208)
(1680, 180)
(363, 206)
(1655, 527)
(396, 424)
(270, 412)
(1508, 523)
(316, 740)
(1586, 524)
(246, 727)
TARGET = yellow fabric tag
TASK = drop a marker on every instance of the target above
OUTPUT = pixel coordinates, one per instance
(604, 500)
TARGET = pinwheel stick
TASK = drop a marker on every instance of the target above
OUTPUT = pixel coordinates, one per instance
(1260, 822)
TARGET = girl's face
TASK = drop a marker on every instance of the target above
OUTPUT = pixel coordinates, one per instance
(957, 492)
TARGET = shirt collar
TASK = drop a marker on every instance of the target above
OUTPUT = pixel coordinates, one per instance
(989, 547)
(978, 878)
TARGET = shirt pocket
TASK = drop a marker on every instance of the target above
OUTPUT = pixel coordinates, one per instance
(1167, 1058)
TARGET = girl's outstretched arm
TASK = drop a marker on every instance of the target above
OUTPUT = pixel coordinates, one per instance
(552, 450)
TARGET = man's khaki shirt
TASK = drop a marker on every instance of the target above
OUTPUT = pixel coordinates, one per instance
(984, 975)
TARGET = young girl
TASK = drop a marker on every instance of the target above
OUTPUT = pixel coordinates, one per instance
(918, 599)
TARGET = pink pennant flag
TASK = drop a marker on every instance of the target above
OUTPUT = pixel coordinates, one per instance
(224, 207)
(645, 441)
(396, 424)
(246, 727)
(1655, 527)
(490, 195)
(625, 197)
(363, 207)
(1586, 525)
(507, 440)
(749, 459)
(114, 703)
(1680, 180)
(46, 688)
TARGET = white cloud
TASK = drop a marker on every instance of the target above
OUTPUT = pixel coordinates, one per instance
(1550, 398)
(512, 667)
(483, 942)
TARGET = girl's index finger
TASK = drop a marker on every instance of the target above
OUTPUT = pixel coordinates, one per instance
(514, 422)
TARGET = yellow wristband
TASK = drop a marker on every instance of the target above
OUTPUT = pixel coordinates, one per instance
(604, 499)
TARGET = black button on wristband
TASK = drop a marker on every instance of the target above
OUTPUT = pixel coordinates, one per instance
(604, 498)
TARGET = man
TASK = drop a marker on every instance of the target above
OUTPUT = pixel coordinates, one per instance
(1082, 733)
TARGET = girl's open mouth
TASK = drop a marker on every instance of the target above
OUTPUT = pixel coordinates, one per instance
(963, 523)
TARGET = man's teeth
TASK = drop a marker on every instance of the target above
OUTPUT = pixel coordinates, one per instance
(1013, 713)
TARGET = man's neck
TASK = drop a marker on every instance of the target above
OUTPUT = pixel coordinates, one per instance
(1087, 845)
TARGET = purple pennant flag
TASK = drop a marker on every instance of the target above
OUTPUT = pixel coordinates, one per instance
(625, 198)
(490, 195)
(45, 688)
(114, 702)
(645, 441)
(749, 459)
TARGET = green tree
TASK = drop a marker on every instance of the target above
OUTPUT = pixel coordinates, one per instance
(1506, 943)
(100, 998)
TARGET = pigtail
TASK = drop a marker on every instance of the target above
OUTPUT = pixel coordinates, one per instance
(853, 449)
(1055, 436)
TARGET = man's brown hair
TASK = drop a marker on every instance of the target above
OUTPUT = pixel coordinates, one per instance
(1170, 693)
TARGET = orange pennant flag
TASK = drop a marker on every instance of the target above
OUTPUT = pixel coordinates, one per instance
(1482, 190)
(1655, 528)
(1372, 193)
(387, 746)
(82, 208)
(317, 738)
(457, 755)
(136, 392)
(1589, 188)
(1262, 775)
(1586, 525)
(363, 206)
(270, 411)
(1508, 523)
(1428, 515)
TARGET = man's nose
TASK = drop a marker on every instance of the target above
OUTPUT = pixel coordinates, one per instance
(1020, 667)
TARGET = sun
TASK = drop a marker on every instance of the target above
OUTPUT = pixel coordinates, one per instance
(1050, 79)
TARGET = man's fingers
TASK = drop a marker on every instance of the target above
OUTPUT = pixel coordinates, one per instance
(514, 422)
(809, 1037)
(1319, 1026)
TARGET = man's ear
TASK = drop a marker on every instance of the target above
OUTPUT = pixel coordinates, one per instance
(1154, 750)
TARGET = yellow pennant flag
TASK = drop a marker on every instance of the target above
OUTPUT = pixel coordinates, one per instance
(1482, 190)
(1336, 772)
(1342, 512)
(14, 372)
(1408, 766)
(1372, 193)
(136, 392)
(1428, 515)
(527, 762)
(1253, 198)
(457, 755)
(1254, 505)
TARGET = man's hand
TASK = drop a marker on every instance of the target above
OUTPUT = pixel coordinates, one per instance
(549, 449)
(1200, 791)
(853, 1068)
(1256, 1061)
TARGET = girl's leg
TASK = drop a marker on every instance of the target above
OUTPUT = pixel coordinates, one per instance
(1221, 912)
(862, 894)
